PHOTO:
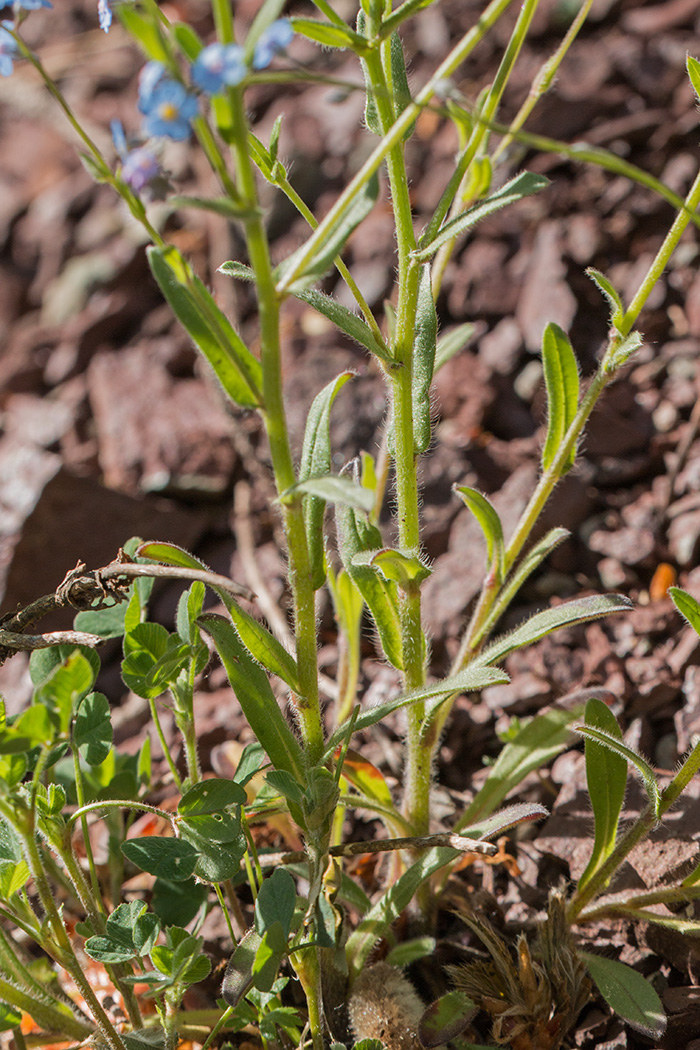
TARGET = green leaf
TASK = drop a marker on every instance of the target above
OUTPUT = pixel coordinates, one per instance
(238, 977)
(379, 918)
(316, 464)
(297, 272)
(628, 993)
(348, 322)
(445, 1019)
(175, 902)
(250, 684)
(268, 957)
(469, 680)
(403, 569)
(487, 516)
(617, 309)
(188, 41)
(354, 536)
(43, 662)
(172, 859)
(328, 34)
(145, 31)
(424, 348)
(251, 762)
(366, 778)
(10, 1017)
(606, 777)
(130, 931)
(285, 785)
(408, 952)
(543, 623)
(687, 606)
(189, 608)
(33, 727)
(65, 687)
(620, 352)
(223, 206)
(562, 382)
(92, 733)
(211, 796)
(451, 342)
(13, 877)
(334, 489)
(217, 861)
(236, 369)
(276, 902)
(535, 745)
(693, 67)
(522, 185)
(107, 623)
(618, 747)
(504, 819)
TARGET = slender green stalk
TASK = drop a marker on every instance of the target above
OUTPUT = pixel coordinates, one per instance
(670, 895)
(118, 804)
(545, 77)
(164, 744)
(692, 201)
(61, 940)
(273, 413)
(398, 129)
(18, 976)
(477, 139)
(221, 1023)
(51, 1018)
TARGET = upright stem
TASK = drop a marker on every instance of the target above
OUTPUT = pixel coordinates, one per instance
(274, 416)
(418, 760)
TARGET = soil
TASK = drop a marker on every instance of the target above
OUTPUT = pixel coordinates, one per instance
(111, 426)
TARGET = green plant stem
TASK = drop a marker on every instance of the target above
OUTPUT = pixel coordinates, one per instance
(80, 794)
(637, 831)
(306, 966)
(68, 958)
(479, 134)
(398, 129)
(673, 791)
(155, 717)
(118, 804)
(51, 1018)
(417, 774)
(273, 413)
(545, 77)
(303, 209)
(680, 223)
(18, 976)
(221, 1023)
(672, 895)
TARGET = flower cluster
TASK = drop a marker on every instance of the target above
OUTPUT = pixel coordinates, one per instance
(167, 106)
(8, 49)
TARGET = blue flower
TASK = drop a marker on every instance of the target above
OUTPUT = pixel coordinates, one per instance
(275, 39)
(104, 12)
(218, 66)
(26, 5)
(149, 78)
(8, 49)
(168, 109)
(140, 166)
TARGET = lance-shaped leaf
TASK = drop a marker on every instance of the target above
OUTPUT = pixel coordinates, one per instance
(487, 516)
(354, 536)
(407, 570)
(379, 918)
(628, 993)
(348, 322)
(236, 369)
(424, 349)
(504, 819)
(536, 744)
(315, 464)
(628, 754)
(298, 272)
(687, 606)
(451, 342)
(605, 285)
(334, 489)
(693, 67)
(606, 777)
(562, 382)
(224, 206)
(470, 680)
(250, 684)
(446, 1018)
(522, 185)
(329, 34)
(543, 623)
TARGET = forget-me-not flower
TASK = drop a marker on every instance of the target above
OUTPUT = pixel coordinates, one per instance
(168, 108)
(26, 5)
(104, 12)
(8, 49)
(140, 166)
(275, 39)
(219, 66)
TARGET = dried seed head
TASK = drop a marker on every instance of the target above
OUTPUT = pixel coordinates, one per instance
(384, 1005)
